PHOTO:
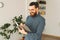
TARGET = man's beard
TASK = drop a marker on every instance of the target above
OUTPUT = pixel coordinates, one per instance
(33, 14)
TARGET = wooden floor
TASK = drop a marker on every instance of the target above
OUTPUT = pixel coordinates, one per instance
(48, 37)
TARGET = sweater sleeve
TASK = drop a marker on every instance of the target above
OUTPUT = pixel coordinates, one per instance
(37, 35)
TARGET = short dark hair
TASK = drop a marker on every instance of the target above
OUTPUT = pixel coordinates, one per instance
(34, 3)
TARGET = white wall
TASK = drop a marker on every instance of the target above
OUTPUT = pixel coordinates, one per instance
(52, 17)
(11, 9)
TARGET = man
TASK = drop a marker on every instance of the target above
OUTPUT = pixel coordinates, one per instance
(35, 22)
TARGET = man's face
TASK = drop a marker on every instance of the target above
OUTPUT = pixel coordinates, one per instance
(32, 10)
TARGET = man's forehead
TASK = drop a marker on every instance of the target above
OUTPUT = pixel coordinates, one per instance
(31, 7)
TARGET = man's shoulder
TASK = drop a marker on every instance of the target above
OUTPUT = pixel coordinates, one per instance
(28, 17)
(42, 18)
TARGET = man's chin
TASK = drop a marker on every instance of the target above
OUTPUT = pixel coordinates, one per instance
(32, 15)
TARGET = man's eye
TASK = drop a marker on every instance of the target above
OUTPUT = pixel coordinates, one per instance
(32, 9)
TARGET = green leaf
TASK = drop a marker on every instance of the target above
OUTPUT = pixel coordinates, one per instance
(5, 26)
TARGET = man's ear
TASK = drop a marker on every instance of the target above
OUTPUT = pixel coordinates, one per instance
(37, 8)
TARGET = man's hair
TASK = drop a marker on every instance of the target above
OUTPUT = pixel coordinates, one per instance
(35, 4)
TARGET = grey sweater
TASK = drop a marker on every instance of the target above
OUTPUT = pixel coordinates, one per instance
(36, 25)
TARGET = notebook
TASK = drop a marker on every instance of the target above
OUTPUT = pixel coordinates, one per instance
(26, 28)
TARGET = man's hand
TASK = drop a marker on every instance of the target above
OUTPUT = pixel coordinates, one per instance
(22, 31)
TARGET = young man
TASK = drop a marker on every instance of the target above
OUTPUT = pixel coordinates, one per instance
(35, 22)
